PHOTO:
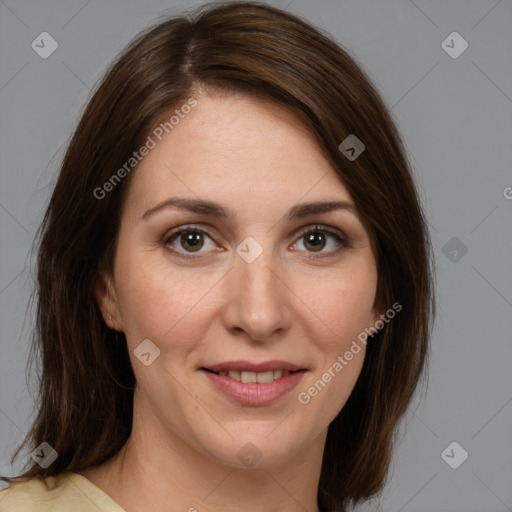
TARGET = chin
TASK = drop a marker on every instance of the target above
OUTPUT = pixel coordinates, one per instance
(264, 447)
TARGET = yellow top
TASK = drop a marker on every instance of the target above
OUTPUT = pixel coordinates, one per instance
(65, 492)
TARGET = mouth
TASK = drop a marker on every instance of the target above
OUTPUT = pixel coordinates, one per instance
(254, 383)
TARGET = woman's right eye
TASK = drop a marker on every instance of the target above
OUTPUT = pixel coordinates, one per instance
(191, 239)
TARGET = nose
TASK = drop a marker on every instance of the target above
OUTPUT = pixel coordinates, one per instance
(257, 299)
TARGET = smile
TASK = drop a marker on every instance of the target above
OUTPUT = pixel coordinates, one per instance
(254, 384)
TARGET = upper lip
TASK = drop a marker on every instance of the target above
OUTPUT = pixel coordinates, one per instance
(249, 366)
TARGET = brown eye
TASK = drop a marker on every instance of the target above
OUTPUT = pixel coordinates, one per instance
(315, 241)
(186, 241)
(192, 240)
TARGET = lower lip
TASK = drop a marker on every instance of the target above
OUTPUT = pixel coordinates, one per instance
(253, 393)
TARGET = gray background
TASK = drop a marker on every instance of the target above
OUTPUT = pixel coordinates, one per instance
(456, 119)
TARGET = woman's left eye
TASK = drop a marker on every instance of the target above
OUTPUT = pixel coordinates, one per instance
(317, 240)
(314, 240)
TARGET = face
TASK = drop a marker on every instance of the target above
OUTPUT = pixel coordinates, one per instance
(250, 286)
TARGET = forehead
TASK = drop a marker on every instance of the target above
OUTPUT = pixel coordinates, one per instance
(237, 149)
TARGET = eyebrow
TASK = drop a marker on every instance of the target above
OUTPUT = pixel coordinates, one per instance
(206, 207)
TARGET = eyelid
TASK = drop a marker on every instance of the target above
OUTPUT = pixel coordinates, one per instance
(321, 228)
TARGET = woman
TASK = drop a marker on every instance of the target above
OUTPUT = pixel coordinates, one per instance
(234, 285)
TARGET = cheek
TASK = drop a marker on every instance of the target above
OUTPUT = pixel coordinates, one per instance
(158, 302)
(345, 308)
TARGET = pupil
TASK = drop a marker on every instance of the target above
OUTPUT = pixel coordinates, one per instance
(188, 239)
(311, 240)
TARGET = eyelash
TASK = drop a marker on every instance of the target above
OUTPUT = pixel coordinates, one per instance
(342, 240)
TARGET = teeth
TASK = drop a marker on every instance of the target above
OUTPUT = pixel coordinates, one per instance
(263, 377)
(249, 376)
(235, 375)
(260, 377)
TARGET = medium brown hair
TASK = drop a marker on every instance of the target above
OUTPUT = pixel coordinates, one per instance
(86, 386)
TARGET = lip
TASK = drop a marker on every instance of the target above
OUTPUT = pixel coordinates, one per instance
(249, 366)
(253, 393)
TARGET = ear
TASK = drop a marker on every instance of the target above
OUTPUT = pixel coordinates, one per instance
(106, 298)
(378, 309)
(378, 312)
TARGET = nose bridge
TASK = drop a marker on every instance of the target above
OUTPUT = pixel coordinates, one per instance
(256, 301)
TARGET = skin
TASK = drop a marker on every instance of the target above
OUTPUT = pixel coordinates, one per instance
(258, 160)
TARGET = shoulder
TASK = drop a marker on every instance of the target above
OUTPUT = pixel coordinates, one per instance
(62, 493)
